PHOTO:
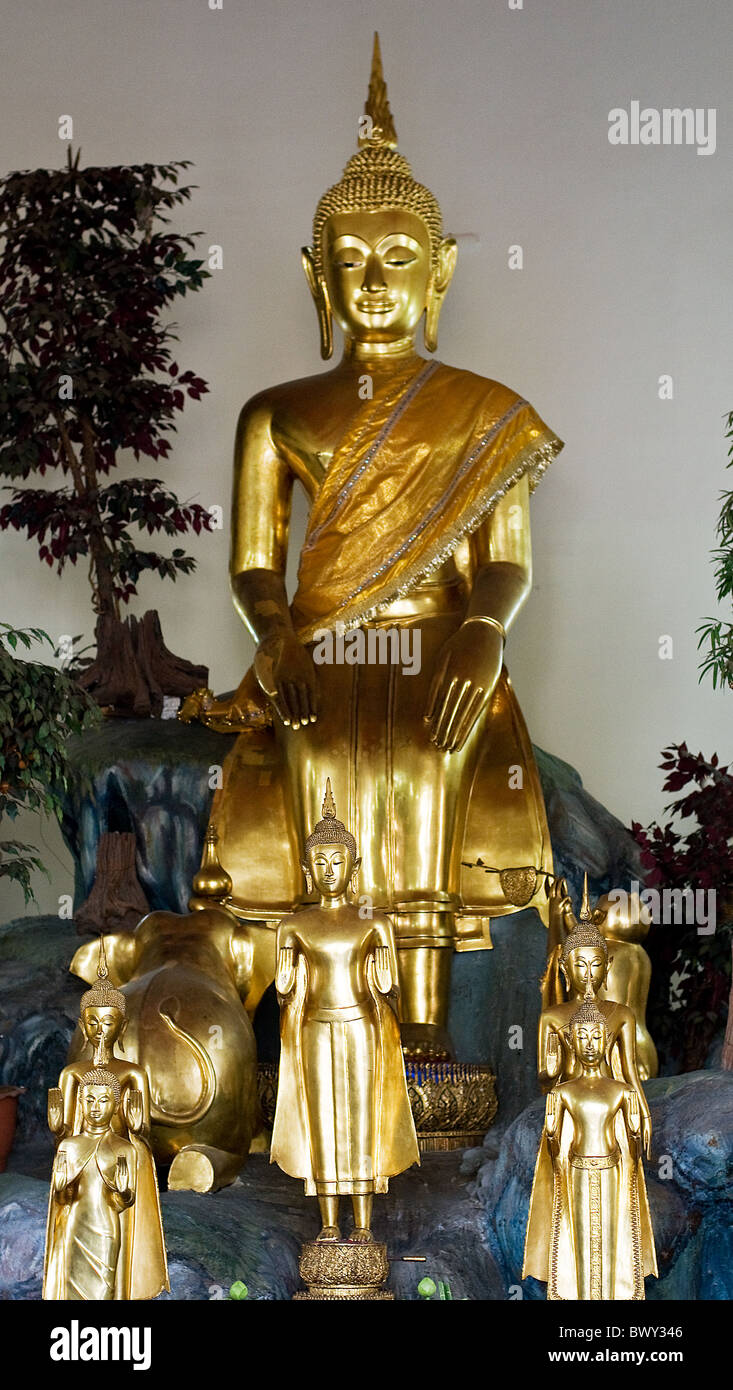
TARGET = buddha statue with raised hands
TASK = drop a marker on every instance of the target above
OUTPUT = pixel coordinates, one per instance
(343, 1121)
(594, 1239)
(102, 1020)
(584, 966)
(90, 1240)
(418, 477)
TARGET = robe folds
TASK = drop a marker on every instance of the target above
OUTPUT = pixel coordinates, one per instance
(420, 468)
(621, 1252)
(343, 1121)
(87, 1240)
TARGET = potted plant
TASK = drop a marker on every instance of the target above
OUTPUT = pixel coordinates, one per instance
(87, 269)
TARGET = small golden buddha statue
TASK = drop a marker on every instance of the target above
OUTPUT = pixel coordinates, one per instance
(594, 1239)
(343, 1122)
(102, 1019)
(91, 1234)
(583, 967)
(418, 477)
(624, 922)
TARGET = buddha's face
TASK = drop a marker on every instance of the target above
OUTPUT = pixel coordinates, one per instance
(101, 1023)
(377, 269)
(98, 1105)
(589, 1042)
(585, 969)
(331, 867)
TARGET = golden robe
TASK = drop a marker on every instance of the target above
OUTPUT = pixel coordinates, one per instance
(567, 1185)
(88, 1240)
(419, 469)
(343, 1121)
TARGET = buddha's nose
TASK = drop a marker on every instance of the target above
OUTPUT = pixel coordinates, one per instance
(373, 274)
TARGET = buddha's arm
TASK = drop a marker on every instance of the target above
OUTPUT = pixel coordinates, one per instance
(263, 484)
(470, 663)
(68, 1082)
(634, 1122)
(285, 952)
(502, 554)
(549, 1051)
(626, 1042)
(386, 971)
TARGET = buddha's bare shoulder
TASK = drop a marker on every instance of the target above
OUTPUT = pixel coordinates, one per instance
(298, 397)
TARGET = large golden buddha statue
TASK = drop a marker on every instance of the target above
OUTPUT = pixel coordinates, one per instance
(418, 477)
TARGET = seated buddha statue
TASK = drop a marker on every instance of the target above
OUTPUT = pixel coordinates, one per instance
(418, 477)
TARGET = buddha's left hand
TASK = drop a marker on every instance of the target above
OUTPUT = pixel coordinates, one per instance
(469, 665)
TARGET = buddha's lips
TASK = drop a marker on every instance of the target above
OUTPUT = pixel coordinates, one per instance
(371, 306)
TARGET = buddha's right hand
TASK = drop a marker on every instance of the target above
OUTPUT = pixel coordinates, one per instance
(286, 674)
(55, 1110)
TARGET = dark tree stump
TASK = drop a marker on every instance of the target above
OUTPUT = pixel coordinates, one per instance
(133, 669)
(117, 901)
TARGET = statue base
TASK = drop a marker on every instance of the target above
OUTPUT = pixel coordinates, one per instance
(452, 1103)
(343, 1270)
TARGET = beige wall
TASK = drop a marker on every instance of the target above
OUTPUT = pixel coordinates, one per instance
(627, 276)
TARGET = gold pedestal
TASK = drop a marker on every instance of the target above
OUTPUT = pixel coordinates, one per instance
(453, 1103)
(342, 1270)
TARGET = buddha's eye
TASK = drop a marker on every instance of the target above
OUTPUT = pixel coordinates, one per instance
(350, 263)
(399, 260)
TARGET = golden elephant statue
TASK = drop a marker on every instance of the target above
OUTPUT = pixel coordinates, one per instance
(191, 983)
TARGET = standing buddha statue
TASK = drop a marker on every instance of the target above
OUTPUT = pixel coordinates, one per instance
(90, 1243)
(102, 1021)
(595, 1238)
(418, 477)
(343, 1121)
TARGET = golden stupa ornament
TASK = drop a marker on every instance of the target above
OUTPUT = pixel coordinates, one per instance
(211, 884)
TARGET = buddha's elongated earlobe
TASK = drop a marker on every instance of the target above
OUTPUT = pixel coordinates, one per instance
(437, 289)
(308, 879)
(319, 293)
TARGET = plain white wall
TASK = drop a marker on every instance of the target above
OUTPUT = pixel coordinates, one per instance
(627, 276)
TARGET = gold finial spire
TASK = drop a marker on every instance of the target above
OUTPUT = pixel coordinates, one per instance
(328, 810)
(102, 967)
(212, 883)
(585, 912)
(380, 125)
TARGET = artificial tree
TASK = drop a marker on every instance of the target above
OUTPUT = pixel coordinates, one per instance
(39, 708)
(716, 634)
(87, 269)
(691, 970)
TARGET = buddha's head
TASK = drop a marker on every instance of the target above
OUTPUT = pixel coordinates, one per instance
(330, 853)
(587, 1034)
(103, 1009)
(379, 260)
(584, 961)
(100, 1096)
(625, 916)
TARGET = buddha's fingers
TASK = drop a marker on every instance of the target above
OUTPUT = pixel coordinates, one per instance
(292, 694)
(279, 704)
(442, 718)
(457, 707)
(436, 695)
(476, 702)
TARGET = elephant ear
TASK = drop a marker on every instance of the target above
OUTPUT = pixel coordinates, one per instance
(121, 950)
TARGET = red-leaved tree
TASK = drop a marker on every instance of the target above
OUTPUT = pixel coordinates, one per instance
(87, 270)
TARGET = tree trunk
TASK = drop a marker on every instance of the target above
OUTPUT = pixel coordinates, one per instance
(117, 901)
(133, 670)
